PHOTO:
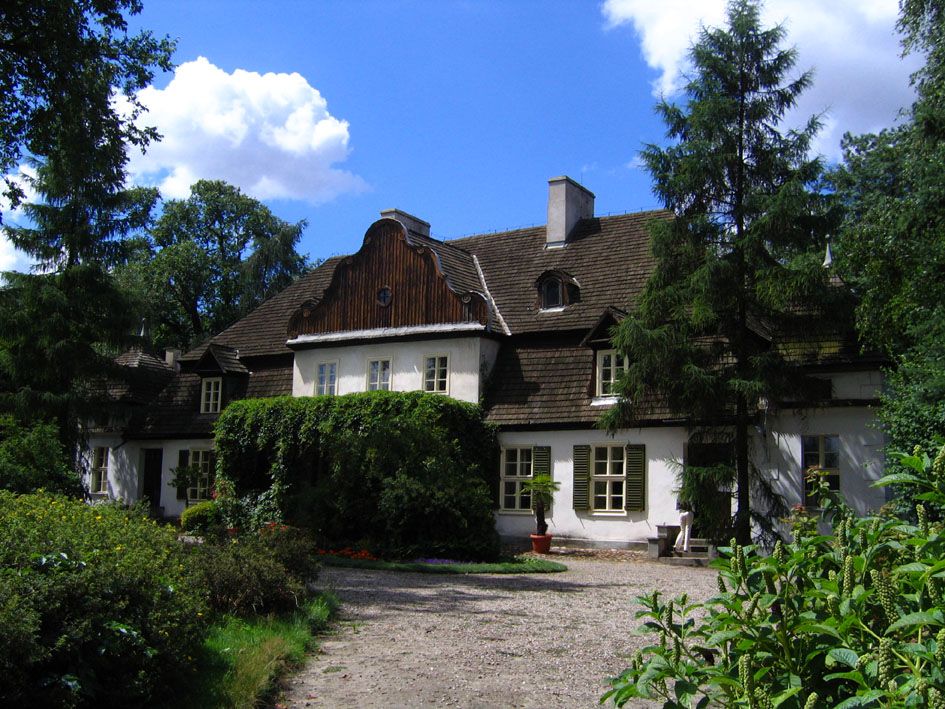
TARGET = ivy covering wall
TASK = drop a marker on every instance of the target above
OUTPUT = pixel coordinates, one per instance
(402, 473)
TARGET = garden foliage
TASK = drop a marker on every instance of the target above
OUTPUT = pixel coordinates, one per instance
(856, 618)
(31, 457)
(97, 604)
(404, 474)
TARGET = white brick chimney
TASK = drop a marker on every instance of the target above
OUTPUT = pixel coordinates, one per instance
(568, 203)
(410, 222)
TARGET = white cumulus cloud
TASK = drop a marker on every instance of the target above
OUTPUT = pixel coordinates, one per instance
(269, 134)
(860, 81)
(12, 259)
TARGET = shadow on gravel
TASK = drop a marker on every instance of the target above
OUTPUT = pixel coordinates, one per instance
(374, 592)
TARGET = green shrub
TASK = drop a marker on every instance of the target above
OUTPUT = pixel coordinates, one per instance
(398, 472)
(856, 618)
(203, 519)
(97, 605)
(294, 548)
(242, 578)
(32, 458)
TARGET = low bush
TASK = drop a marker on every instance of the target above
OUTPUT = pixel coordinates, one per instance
(203, 519)
(97, 604)
(856, 618)
(294, 548)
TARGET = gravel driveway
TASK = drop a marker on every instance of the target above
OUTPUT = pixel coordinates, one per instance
(422, 640)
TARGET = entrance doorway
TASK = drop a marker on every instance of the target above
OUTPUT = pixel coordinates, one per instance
(153, 462)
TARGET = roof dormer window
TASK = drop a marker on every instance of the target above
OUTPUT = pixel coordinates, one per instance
(211, 389)
(556, 290)
(551, 296)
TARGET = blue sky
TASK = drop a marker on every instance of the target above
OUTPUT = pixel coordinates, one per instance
(459, 112)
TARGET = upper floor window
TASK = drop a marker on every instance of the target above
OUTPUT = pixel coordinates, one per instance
(610, 367)
(556, 289)
(326, 378)
(436, 372)
(551, 294)
(98, 482)
(210, 391)
(821, 453)
(379, 375)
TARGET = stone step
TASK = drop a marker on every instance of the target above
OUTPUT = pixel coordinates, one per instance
(685, 560)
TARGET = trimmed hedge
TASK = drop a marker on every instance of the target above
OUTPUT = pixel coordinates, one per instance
(403, 473)
(97, 604)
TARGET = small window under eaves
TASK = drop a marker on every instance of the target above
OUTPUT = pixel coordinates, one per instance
(551, 294)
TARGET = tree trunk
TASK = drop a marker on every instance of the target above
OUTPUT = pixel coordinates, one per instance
(742, 477)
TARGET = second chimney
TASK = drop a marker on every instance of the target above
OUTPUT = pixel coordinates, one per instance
(568, 203)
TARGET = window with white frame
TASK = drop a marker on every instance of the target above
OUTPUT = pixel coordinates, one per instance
(436, 372)
(610, 367)
(325, 378)
(607, 478)
(98, 480)
(379, 375)
(210, 390)
(201, 462)
(516, 469)
(821, 453)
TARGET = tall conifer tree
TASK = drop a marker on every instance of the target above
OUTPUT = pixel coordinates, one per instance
(740, 266)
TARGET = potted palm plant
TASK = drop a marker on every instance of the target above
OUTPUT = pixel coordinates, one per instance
(542, 489)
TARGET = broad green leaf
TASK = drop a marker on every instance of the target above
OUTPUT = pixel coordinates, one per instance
(918, 618)
(844, 656)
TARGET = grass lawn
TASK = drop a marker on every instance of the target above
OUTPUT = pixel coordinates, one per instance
(515, 565)
(243, 659)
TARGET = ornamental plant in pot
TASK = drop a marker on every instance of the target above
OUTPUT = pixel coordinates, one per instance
(542, 488)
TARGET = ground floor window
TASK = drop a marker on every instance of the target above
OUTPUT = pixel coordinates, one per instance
(822, 453)
(199, 487)
(516, 469)
(436, 374)
(327, 375)
(98, 483)
(607, 478)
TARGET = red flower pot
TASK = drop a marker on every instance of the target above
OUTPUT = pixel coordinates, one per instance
(541, 543)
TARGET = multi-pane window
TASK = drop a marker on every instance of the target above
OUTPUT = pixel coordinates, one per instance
(436, 371)
(201, 461)
(210, 390)
(98, 482)
(610, 367)
(607, 478)
(516, 469)
(821, 453)
(379, 375)
(325, 379)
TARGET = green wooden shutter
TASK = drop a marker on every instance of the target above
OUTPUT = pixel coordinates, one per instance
(582, 478)
(541, 463)
(183, 460)
(636, 479)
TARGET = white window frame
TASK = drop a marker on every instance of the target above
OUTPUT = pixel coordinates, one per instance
(441, 373)
(98, 470)
(326, 384)
(603, 473)
(832, 471)
(211, 393)
(198, 489)
(514, 473)
(605, 386)
(376, 386)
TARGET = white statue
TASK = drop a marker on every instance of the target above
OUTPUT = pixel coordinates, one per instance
(685, 527)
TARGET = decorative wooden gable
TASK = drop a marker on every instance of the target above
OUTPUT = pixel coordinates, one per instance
(391, 282)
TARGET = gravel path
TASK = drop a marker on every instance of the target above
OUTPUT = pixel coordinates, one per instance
(423, 640)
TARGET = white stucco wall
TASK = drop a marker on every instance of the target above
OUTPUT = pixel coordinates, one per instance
(776, 451)
(126, 468)
(467, 355)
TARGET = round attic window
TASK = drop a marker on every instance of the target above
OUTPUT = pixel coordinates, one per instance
(384, 296)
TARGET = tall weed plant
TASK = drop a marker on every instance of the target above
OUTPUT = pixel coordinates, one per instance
(849, 619)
